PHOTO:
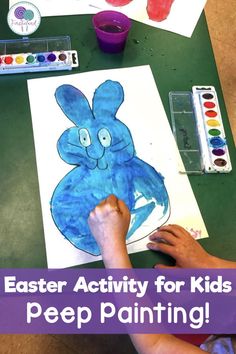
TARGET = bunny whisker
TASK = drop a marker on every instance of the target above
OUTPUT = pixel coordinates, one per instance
(78, 146)
(117, 143)
(122, 148)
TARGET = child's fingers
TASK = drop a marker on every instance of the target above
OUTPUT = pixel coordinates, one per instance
(152, 246)
(176, 230)
(169, 228)
(163, 236)
(162, 247)
(109, 204)
(112, 200)
(91, 215)
(101, 204)
(122, 206)
(166, 235)
(163, 266)
(181, 231)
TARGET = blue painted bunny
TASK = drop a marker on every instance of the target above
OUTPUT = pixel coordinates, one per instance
(102, 149)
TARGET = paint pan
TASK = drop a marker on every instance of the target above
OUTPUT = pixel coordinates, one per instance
(33, 62)
(199, 132)
(37, 54)
(212, 137)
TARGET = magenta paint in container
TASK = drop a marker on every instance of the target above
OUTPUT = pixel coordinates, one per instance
(112, 29)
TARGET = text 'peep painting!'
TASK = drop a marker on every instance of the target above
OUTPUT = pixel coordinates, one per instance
(102, 149)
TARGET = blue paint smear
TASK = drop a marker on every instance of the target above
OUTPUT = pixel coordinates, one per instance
(217, 142)
(102, 149)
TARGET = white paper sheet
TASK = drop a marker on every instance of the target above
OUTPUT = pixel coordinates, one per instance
(182, 19)
(142, 111)
(60, 8)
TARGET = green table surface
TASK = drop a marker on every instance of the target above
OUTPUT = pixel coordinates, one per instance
(177, 64)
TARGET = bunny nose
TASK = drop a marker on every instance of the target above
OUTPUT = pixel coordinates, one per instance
(95, 151)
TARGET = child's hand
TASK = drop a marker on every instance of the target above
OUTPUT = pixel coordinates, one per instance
(179, 244)
(109, 223)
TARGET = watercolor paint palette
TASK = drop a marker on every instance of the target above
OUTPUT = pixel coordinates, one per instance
(37, 54)
(199, 132)
(34, 62)
(215, 153)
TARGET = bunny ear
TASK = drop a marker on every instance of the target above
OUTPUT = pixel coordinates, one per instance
(107, 99)
(74, 104)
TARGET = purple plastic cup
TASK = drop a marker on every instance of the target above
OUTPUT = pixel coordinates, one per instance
(112, 29)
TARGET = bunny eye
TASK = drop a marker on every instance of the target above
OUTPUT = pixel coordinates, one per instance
(84, 137)
(104, 137)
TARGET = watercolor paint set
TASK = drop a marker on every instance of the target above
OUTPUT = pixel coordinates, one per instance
(35, 55)
(199, 132)
(215, 153)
